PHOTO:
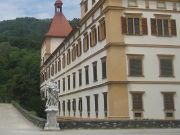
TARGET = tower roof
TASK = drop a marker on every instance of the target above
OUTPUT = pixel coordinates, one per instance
(59, 26)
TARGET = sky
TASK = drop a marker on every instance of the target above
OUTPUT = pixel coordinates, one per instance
(11, 9)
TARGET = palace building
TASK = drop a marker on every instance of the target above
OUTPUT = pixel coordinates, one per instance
(121, 62)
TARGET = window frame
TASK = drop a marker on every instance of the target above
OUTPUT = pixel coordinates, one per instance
(169, 57)
(136, 56)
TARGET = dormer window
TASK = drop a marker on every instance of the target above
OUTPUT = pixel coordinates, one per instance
(161, 4)
(132, 3)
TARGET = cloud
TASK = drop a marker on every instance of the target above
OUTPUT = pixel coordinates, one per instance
(11, 9)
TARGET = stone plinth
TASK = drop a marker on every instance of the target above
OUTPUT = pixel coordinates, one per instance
(51, 123)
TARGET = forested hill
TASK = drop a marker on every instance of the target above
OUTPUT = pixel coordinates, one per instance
(24, 32)
(20, 43)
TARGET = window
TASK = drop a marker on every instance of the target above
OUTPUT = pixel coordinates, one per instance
(93, 36)
(137, 98)
(49, 72)
(137, 104)
(101, 30)
(88, 105)
(69, 82)
(69, 106)
(103, 62)
(105, 104)
(80, 107)
(96, 104)
(59, 65)
(52, 70)
(85, 6)
(95, 71)
(79, 48)
(64, 60)
(74, 53)
(86, 43)
(64, 84)
(59, 85)
(161, 4)
(166, 66)
(74, 80)
(135, 65)
(93, 1)
(132, 3)
(74, 106)
(87, 74)
(163, 26)
(134, 24)
(80, 77)
(59, 107)
(169, 106)
(55, 67)
(64, 106)
(68, 56)
(175, 6)
(147, 3)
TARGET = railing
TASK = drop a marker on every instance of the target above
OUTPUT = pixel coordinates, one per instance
(34, 119)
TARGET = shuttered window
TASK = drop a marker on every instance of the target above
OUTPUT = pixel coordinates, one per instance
(79, 48)
(74, 53)
(134, 25)
(93, 37)
(102, 30)
(86, 42)
(166, 66)
(135, 65)
(163, 27)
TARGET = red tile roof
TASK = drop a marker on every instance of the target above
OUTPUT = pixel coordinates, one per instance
(59, 27)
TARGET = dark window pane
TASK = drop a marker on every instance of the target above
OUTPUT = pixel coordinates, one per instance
(168, 101)
(159, 27)
(130, 26)
(137, 101)
(87, 74)
(166, 66)
(135, 67)
(166, 27)
(137, 25)
(104, 75)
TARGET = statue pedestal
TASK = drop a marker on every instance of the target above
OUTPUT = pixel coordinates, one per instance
(51, 123)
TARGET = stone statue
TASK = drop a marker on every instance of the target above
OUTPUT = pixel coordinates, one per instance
(52, 97)
(52, 106)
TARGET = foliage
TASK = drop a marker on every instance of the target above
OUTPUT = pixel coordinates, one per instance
(20, 42)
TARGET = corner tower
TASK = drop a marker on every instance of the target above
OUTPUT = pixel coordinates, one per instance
(59, 29)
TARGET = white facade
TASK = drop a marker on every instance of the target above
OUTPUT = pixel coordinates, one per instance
(149, 46)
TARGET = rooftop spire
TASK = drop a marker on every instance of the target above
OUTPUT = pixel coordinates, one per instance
(58, 6)
(59, 27)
